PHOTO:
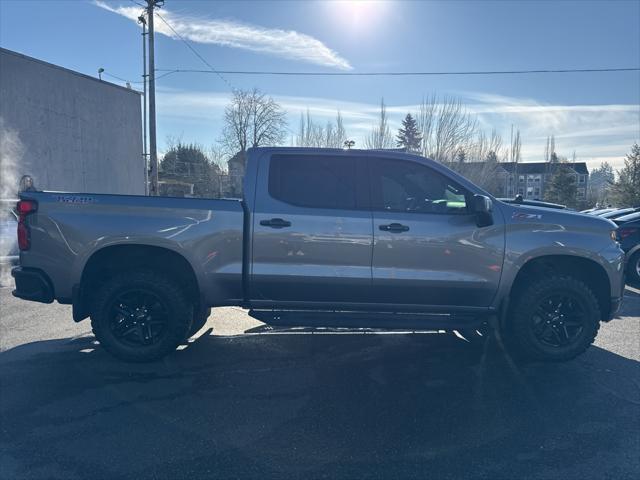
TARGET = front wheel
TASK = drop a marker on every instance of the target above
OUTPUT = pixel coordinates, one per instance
(553, 319)
(140, 316)
(633, 269)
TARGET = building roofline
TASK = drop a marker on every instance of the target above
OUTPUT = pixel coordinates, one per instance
(58, 67)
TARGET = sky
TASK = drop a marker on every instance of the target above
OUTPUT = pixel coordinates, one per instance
(597, 115)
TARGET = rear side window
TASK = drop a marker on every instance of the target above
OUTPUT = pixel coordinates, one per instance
(401, 186)
(315, 181)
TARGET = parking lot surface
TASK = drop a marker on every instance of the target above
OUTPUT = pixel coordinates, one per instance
(231, 404)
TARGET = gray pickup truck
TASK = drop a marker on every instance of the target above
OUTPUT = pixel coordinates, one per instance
(323, 238)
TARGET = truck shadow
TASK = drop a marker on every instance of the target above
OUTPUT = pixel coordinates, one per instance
(337, 406)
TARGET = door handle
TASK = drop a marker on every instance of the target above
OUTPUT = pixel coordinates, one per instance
(275, 223)
(394, 228)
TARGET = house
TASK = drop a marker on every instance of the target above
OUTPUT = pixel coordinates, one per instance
(530, 179)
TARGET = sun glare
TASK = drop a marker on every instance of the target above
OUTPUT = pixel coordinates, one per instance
(359, 15)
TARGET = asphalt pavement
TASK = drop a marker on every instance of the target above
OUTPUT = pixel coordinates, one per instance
(231, 404)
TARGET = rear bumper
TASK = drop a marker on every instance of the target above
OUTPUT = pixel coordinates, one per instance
(32, 284)
(10, 260)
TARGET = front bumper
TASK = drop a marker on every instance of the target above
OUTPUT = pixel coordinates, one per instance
(32, 284)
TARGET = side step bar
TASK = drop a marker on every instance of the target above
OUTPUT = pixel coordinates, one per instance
(374, 320)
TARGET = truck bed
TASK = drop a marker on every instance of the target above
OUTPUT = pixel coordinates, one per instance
(68, 228)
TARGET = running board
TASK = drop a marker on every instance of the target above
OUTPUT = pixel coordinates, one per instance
(373, 320)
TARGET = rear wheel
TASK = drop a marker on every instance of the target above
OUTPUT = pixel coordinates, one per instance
(140, 316)
(553, 319)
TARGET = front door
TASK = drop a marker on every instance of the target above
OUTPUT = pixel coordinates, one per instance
(428, 249)
(312, 231)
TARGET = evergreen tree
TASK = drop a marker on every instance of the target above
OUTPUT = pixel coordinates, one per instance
(189, 162)
(409, 136)
(562, 187)
(626, 191)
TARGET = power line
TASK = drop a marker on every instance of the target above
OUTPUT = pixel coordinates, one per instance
(398, 74)
(107, 74)
(167, 72)
(139, 4)
(195, 52)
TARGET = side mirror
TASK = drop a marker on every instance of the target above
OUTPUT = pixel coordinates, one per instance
(482, 207)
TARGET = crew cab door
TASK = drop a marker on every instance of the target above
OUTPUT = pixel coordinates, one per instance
(428, 249)
(312, 231)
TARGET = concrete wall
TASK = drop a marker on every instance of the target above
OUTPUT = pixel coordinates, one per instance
(74, 132)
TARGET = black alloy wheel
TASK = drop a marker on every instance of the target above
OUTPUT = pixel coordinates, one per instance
(138, 317)
(558, 320)
(141, 315)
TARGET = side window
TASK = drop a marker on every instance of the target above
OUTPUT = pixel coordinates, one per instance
(400, 186)
(314, 181)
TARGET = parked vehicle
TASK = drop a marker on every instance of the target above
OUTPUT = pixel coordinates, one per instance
(626, 218)
(324, 238)
(600, 211)
(9, 253)
(532, 203)
(619, 213)
(629, 237)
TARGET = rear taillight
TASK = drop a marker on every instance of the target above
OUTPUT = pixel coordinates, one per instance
(624, 232)
(24, 208)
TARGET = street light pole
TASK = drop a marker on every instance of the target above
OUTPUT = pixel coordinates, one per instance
(153, 152)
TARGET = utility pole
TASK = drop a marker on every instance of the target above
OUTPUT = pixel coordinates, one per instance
(145, 160)
(153, 152)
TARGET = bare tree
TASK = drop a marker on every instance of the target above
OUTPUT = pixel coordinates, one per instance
(252, 120)
(311, 134)
(514, 149)
(380, 136)
(483, 146)
(446, 127)
(218, 158)
(550, 150)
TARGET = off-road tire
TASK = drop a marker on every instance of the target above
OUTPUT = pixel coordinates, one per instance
(633, 276)
(519, 337)
(199, 319)
(179, 316)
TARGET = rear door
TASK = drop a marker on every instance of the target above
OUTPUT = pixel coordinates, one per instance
(312, 231)
(428, 249)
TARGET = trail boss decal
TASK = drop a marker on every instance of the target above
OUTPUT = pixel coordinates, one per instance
(75, 199)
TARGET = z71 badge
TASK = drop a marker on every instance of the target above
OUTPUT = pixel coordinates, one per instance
(525, 216)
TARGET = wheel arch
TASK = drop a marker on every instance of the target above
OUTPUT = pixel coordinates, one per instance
(584, 269)
(111, 260)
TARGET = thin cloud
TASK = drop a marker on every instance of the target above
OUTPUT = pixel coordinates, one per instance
(596, 132)
(283, 43)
